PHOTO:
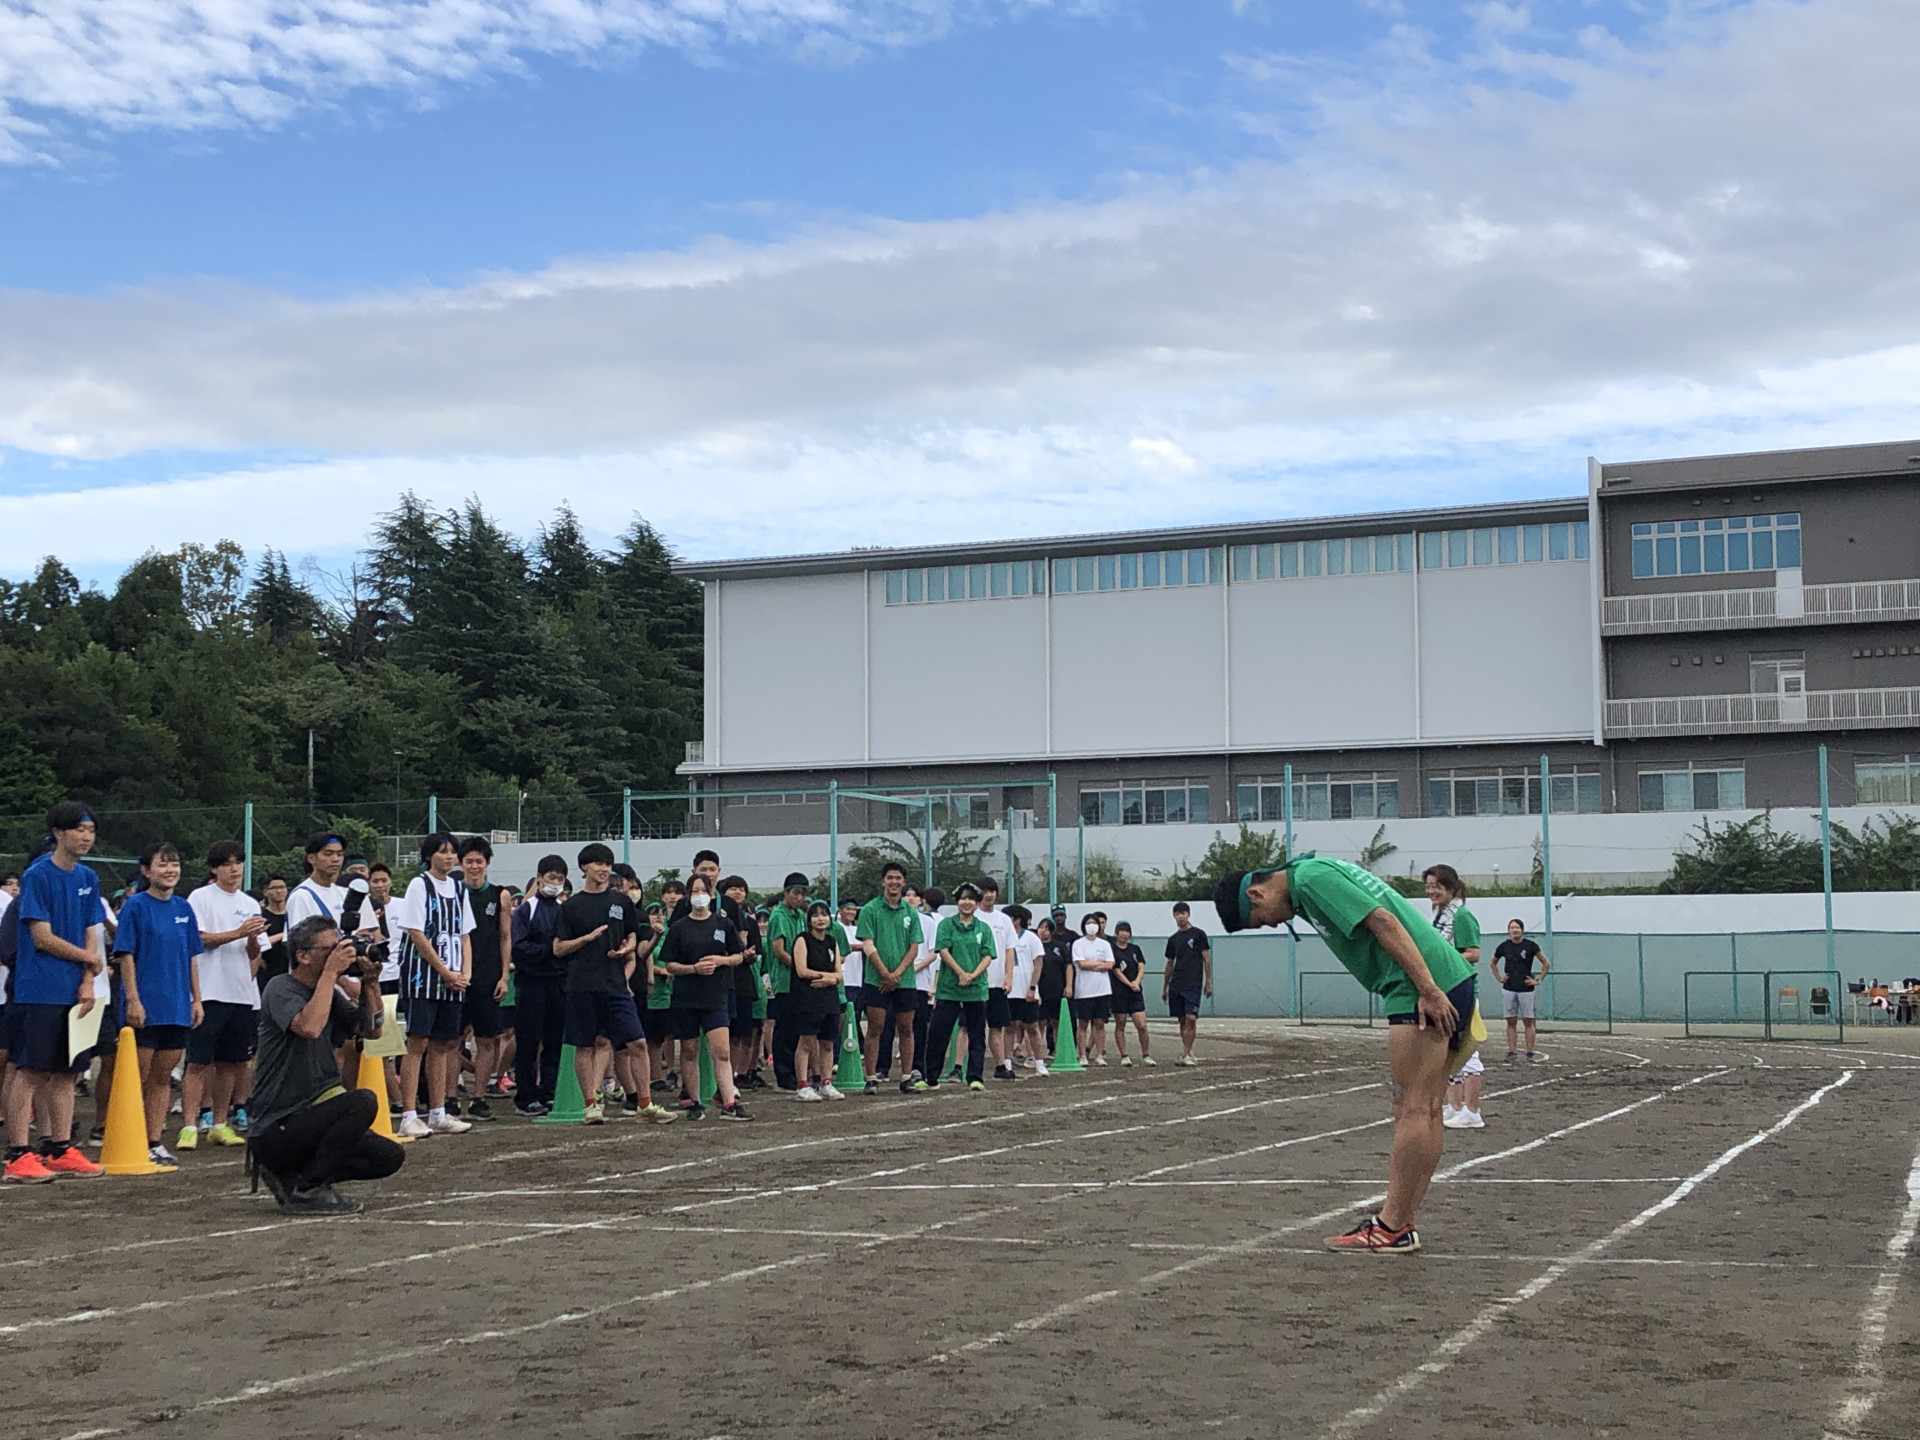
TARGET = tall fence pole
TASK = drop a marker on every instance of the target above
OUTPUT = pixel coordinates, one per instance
(433, 814)
(927, 806)
(626, 826)
(1082, 861)
(1053, 840)
(833, 846)
(246, 879)
(1546, 869)
(1010, 871)
(1286, 823)
(1826, 858)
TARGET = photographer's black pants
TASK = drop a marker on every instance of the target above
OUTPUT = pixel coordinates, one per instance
(329, 1142)
(786, 1039)
(539, 1020)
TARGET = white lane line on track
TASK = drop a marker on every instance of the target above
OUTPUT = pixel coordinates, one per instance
(1450, 1349)
(1862, 1390)
(1265, 1237)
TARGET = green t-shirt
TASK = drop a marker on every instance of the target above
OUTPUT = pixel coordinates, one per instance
(1337, 896)
(785, 924)
(1466, 930)
(894, 930)
(970, 943)
(660, 996)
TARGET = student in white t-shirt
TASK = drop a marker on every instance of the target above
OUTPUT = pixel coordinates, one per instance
(1022, 976)
(999, 1010)
(926, 978)
(220, 1047)
(320, 893)
(1092, 1004)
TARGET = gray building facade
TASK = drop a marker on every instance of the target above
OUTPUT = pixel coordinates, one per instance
(1683, 636)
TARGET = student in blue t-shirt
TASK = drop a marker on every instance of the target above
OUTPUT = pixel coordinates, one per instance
(60, 917)
(157, 949)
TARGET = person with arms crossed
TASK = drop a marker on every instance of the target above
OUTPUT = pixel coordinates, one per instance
(699, 952)
(310, 1132)
(1129, 993)
(1447, 893)
(1513, 961)
(157, 950)
(436, 969)
(220, 1049)
(1426, 991)
(1092, 1004)
(889, 931)
(59, 914)
(492, 952)
(1188, 978)
(816, 993)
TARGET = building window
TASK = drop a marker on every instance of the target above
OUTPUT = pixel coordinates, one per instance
(1172, 802)
(1887, 782)
(1695, 787)
(1362, 795)
(1507, 545)
(1512, 792)
(1723, 545)
(1017, 579)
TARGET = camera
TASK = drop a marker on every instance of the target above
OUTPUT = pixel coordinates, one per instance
(371, 951)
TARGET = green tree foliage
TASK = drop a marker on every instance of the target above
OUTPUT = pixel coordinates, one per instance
(1250, 850)
(1748, 857)
(956, 858)
(492, 665)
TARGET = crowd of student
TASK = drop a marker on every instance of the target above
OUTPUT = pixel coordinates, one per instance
(479, 986)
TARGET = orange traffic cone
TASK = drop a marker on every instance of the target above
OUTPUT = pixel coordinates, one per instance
(372, 1076)
(125, 1151)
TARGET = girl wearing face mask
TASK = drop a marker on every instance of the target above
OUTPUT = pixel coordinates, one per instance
(1092, 1004)
(700, 951)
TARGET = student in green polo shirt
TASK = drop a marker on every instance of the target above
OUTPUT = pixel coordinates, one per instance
(888, 930)
(785, 924)
(1426, 990)
(965, 943)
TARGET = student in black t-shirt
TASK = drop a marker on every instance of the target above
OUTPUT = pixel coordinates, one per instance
(816, 1004)
(1188, 978)
(274, 959)
(743, 1028)
(1513, 961)
(492, 964)
(700, 951)
(595, 935)
(1129, 976)
(1056, 968)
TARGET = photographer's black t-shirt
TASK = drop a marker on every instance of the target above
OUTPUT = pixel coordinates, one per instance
(592, 969)
(689, 941)
(1516, 959)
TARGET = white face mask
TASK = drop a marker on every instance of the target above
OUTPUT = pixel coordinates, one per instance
(550, 891)
(700, 901)
(1091, 930)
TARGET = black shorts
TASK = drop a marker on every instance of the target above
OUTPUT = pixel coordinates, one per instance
(439, 1021)
(657, 1024)
(902, 1000)
(1025, 1012)
(1094, 1007)
(483, 1012)
(690, 1024)
(1128, 1002)
(1182, 1003)
(226, 1034)
(820, 1027)
(740, 1021)
(39, 1040)
(595, 1015)
(1462, 997)
(162, 1037)
(999, 1012)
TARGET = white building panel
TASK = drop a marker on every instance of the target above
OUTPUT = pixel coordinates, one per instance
(958, 681)
(762, 624)
(1323, 663)
(1506, 652)
(1163, 648)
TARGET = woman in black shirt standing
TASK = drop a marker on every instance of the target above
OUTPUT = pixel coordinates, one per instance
(1056, 970)
(700, 951)
(816, 1004)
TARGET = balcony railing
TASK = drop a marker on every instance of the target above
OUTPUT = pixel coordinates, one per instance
(1894, 707)
(1835, 604)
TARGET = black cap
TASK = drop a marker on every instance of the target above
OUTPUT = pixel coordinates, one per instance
(795, 881)
(1226, 902)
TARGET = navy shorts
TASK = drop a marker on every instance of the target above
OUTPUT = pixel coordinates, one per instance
(1462, 996)
(1025, 1012)
(483, 1013)
(999, 1011)
(593, 1015)
(226, 1034)
(689, 1024)
(1094, 1007)
(901, 1000)
(820, 1027)
(39, 1040)
(658, 1025)
(439, 1021)
(162, 1037)
(1182, 1003)
(1128, 1002)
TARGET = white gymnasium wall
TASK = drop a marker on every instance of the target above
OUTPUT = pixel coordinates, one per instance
(1326, 662)
(761, 624)
(1506, 652)
(1165, 646)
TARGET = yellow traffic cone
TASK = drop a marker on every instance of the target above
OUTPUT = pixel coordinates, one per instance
(125, 1151)
(372, 1076)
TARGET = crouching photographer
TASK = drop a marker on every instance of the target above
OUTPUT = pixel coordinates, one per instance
(309, 1132)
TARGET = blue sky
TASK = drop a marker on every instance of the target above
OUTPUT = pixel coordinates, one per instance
(918, 267)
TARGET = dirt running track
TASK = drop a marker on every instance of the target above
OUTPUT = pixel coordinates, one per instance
(1131, 1252)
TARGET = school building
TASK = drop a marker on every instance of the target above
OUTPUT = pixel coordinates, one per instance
(1678, 640)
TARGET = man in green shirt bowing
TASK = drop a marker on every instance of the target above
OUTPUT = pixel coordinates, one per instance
(1425, 988)
(888, 931)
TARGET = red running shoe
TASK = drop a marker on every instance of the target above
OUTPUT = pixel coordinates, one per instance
(27, 1170)
(70, 1164)
(1370, 1237)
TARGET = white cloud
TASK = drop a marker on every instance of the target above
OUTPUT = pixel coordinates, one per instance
(193, 64)
(1703, 246)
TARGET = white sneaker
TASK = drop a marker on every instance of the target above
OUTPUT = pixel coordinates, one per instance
(1470, 1120)
(449, 1125)
(1126, 1062)
(807, 1092)
(412, 1127)
(1100, 1060)
(1039, 1069)
(1186, 1060)
(830, 1091)
(1447, 1112)
(1455, 1120)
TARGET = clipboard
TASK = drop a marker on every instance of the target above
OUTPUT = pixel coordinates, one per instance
(83, 1031)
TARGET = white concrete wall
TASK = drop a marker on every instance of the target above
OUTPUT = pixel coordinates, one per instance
(1506, 653)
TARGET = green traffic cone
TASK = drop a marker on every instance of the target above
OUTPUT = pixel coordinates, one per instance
(1066, 1055)
(709, 1087)
(569, 1105)
(851, 1072)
